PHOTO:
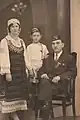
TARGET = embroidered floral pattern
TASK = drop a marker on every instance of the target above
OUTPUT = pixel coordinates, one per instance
(14, 48)
(9, 107)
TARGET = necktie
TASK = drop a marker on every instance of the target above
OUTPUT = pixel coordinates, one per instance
(56, 56)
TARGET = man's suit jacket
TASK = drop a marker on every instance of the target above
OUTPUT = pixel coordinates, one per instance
(64, 67)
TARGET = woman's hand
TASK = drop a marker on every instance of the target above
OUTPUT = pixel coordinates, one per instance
(8, 77)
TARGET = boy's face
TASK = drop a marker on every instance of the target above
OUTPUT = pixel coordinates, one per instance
(57, 46)
(36, 36)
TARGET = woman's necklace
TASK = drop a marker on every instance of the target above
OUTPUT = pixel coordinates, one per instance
(16, 41)
(15, 44)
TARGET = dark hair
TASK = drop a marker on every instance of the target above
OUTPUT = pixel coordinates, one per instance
(35, 30)
(10, 27)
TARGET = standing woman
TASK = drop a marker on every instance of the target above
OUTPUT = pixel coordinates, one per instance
(14, 66)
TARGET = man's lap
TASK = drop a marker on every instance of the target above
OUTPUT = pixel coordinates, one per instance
(47, 89)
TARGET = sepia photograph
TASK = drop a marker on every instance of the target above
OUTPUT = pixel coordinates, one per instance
(39, 60)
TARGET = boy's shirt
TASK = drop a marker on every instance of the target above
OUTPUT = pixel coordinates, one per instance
(36, 52)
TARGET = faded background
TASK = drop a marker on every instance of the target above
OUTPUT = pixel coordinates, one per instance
(53, 17)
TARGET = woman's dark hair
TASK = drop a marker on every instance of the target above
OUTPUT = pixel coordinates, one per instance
(10, 27)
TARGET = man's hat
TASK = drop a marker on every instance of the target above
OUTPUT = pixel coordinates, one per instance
(56, 37)
(12, 21)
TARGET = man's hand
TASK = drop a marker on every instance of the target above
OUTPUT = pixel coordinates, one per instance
(45, 76)
(56, 79)
(8, 77)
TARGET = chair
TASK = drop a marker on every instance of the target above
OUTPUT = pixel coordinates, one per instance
(68, 99)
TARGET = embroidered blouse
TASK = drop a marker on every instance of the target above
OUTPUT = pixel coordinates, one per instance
(4, 53)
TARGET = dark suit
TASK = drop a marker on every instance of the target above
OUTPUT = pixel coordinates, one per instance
(64, 67)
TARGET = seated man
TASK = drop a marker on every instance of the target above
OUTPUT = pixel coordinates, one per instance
(57, 69)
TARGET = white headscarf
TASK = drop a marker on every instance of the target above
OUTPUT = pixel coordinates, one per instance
(12, 21)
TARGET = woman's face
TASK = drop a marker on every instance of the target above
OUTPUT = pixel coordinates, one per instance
(15, 29)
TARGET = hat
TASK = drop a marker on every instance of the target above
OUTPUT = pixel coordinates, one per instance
(35, 30)
(56, 37)
(12, 21)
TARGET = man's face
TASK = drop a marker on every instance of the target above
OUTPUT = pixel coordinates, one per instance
(57, 46)
(36, 36)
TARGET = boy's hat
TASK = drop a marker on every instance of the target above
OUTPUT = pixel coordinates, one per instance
(35, 30)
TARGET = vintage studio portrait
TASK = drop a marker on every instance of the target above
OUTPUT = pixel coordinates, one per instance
(39, 60)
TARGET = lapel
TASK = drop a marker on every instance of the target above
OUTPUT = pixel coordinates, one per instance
(61, 58)
(52, 62)
(60, 61)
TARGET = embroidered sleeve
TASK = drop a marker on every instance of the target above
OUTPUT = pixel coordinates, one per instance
(4, 56)
(46, 52)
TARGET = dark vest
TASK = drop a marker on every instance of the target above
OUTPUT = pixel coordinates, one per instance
(17, 88)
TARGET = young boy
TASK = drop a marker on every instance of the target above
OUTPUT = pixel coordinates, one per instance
(36, 51)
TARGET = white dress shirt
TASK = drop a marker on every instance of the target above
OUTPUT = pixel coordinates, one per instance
(56, 57)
